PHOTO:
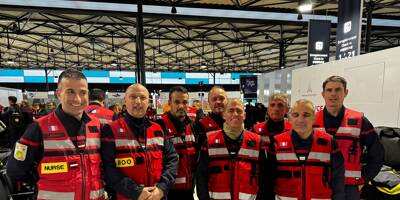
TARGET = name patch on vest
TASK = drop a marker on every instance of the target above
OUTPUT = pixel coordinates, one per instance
(125, 162)
(322, 141)
(251, 143)
(53, 168)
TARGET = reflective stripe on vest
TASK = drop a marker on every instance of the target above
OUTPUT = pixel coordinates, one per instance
(180, 180)
(246, 196)
(249, 152)
(178, 140)
(95, 194)
(126, 142)
(218, 151)
(55, 144)
(220, 195)
(278, 197)
(43, 194)
(353, 174)
(324, 157)
(286, 156)
(349, 130)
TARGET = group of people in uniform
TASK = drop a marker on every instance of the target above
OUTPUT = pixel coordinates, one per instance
(78, 150)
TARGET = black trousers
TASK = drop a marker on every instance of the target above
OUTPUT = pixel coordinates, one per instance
(180, 195)
(352, 192)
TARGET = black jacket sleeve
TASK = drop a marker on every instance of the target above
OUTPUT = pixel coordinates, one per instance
(337, 171)
(375, 152)
(262, 177)
(170, 166)
(113, 177)
(25, 169)
(202, 174)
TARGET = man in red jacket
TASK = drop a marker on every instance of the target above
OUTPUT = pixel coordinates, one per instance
(61, 151)
(277, 108)
(355, 136)
(96, 107)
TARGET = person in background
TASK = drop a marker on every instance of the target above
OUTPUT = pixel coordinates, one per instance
(217, 99)
(197, 105)
(139, 161)
(60, 152)
(96, 107)
(16, 119)
(356, 137)
(304, 163)
(51, 106)
(276, 124)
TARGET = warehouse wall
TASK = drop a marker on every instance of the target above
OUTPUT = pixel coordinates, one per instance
(373, 83)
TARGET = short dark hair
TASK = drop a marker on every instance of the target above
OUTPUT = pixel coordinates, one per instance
(335, 78)
(70, 74)
(177, 89)
(12, 99)
(97, 94)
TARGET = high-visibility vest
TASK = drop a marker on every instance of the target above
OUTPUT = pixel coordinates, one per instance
(233, 178)
(184, 146)
(191, 113)
(209, 125)
(67, 171)
(262, 130)
(103, 114)
(304, 178)
(143, 163)
(348, 139)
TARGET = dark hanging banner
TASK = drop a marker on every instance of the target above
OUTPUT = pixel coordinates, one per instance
(319, 32)
(248, 85)
(348, 32)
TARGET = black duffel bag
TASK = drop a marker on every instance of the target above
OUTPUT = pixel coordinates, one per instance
(390, 139)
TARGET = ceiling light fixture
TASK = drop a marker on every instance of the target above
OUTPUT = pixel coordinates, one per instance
(305, 6)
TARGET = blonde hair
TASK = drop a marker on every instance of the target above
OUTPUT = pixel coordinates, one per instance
(232, 100)
(304, 102)
(279, 96)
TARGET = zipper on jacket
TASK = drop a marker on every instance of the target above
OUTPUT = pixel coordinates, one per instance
(83, 175)
(304, 181)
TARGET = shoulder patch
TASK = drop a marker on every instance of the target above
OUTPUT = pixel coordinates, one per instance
(352, 122)
(20, 151)
(322, 141)
(158, 133)
(93, 129)
(251, 143)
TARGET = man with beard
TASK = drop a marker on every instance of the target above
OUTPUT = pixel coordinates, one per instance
(217, 100)
(176, 124)
(139, 162)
